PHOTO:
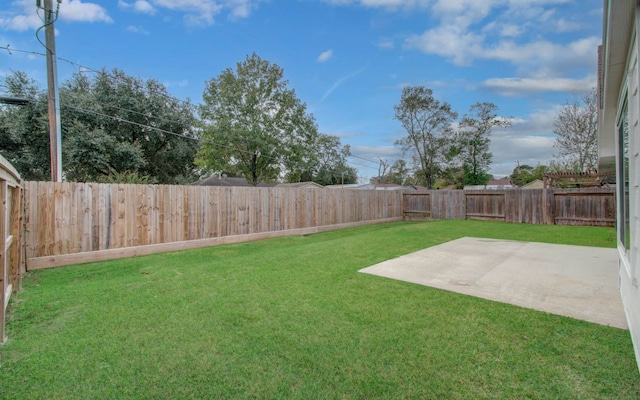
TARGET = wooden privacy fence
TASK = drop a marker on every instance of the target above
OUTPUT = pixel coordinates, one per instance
(11, 262)
(69, 223)
(79, 222)
(595, 207)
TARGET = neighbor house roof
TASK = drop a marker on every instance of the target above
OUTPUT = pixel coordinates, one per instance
(222, 181)
(300, 185)
(537, 184)
(500, 182)
(389, 186)
(493, 184)
(359, 186)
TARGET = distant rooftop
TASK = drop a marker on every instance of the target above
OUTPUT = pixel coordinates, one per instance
(228, 182)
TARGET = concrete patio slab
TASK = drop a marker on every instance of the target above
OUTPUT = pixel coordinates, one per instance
(573, 281)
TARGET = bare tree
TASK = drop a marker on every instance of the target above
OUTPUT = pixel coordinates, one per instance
(576, 129)
(428, 126)
(383, 169)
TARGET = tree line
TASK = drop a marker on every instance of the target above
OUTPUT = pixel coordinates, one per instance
(446, 152)
(118, 128)
(440, 151)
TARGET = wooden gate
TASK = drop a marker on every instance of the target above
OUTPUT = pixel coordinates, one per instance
(11, 260)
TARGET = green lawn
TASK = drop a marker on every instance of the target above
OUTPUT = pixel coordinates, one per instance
(292, 318)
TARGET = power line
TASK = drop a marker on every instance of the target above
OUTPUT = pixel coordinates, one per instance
(10, 50)
(365, 159)
(80, 67)
(130, 122)
(123, 120)
(147, 115)
(117, 78)
(199, 140)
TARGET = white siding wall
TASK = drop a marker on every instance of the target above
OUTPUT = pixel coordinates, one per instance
(629, 268)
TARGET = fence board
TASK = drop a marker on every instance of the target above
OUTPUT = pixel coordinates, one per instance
(11, 237)
(537, 206)
(485, 205)
(68, 218)
(589, 207)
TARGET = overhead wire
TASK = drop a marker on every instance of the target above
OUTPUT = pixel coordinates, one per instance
(81, 67)
(201, 140)
(365, 159)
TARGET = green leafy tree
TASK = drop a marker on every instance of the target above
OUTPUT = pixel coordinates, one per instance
(427, 122)
(253, 125)
(117, 126)
(562, 166)
(113, 125)
(324, 162)
(523, 174)
(399, 172)
(576, 127)
(24, 130)
(452, 175)
(474, 139)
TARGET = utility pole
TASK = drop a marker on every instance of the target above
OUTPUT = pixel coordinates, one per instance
(55, 136)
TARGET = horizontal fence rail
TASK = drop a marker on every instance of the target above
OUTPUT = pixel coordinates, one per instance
(75, 218)
(596, 207)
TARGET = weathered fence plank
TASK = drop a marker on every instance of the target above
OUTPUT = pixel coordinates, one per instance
(11, 237)
(69, 218)
(537, 206)
(586, 207)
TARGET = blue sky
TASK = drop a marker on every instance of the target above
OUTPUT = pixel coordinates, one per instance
(346, 59)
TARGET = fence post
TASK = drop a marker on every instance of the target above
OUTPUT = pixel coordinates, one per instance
(552, 207)
(3, 258)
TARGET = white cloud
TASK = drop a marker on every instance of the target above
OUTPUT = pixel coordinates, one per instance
(536, 123)
(528, 140)
(144, 7)
(463, 47)
(470, 30)
(509, 151)
(449, 41)
(23, 14)
(196, 12)
(76, 10)
(509, 30)
(514, 87)
(543, 51)
(325, 56)
(140, 6)
(386, 43)
(389, 4)
(241, 8)
(137, 29)
(562, 25)
(20, 22)
(462, 13)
